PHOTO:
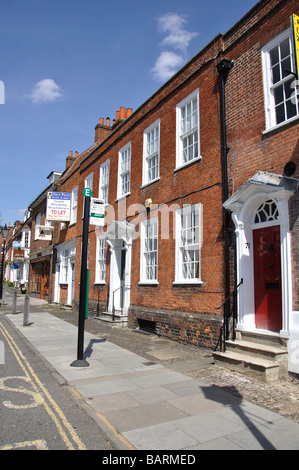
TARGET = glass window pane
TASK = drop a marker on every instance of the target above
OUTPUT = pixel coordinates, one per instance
(280, 113)
(278, 95)
(286, 67)
(284, 48)
(291, 109)
(274, 56)
(276, 74)
(289, 89)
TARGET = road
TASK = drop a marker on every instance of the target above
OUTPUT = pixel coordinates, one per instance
(37, 410)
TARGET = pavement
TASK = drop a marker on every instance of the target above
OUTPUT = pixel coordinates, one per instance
(150, 393)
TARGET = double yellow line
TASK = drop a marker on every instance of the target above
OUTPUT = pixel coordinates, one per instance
(68, 435)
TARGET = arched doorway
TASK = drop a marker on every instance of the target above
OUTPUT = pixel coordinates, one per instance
(261, 216)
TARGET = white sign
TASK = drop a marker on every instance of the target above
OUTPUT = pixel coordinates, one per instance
(59, 206)
(97, 211)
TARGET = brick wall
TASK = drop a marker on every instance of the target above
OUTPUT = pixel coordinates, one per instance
(200, 330)
(189, 312)
(252, 149)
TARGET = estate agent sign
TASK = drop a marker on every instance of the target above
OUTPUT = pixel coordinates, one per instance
(59, 206)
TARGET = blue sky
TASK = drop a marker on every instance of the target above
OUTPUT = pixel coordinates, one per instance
(66, 63)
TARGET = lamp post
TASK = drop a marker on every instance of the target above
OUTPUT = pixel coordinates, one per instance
(4, 232)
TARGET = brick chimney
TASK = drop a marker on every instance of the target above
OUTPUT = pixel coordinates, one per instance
(121, 115)
(102, 131)
(70, 159)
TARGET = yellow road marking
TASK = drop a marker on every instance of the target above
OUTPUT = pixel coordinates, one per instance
(38, 399)
(40, 444)
(120, 436)
(37, 386)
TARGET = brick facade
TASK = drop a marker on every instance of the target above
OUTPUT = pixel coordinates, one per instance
(252, 148)
(186, 311)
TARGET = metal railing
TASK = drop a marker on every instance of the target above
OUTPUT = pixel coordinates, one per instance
(224, 330)
(113, 305)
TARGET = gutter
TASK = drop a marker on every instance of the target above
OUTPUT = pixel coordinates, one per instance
(223, 68)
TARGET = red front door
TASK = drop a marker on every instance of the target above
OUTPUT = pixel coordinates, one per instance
(267, 278)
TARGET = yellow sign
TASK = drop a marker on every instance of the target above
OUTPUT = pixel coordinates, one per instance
(295, 21)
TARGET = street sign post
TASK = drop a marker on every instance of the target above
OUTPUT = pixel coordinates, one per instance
(80, 361)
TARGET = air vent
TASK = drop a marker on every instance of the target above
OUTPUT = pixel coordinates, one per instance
(147, 325)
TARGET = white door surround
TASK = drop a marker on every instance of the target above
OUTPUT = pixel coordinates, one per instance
(263, 190)
(119, 236)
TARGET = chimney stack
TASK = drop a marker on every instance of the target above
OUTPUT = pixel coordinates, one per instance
(69, 160)
(121, 115)
(102, 131)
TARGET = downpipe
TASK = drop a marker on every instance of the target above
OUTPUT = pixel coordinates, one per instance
(223, 68)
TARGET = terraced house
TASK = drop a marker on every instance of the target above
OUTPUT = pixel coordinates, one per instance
(200, 184)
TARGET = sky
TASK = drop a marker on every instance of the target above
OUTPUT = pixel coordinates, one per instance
(66, 63)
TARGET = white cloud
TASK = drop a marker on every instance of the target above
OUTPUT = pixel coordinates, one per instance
(46, 91)
(166, 65)
(178, 38)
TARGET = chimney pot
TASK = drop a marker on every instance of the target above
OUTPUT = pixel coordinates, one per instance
(101, 121)
(122, 113)
(129, 112)
(117, 114)
(76, 154)
(107, 121)
(71, 153)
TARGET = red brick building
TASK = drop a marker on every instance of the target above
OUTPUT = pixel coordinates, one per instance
(262, 104)
(164, 264)
(42, 239)
(197, 182)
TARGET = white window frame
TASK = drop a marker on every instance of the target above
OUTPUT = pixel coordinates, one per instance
(66, 253)
(88, 181)
(124, 171)
(100, 275)
(26, 239)
(151, 152)
(64, 267)
(74, 205)
(104, 181)
(188, 240)
(269, 87)
(148, 247)
(187, 128)
(37, 223)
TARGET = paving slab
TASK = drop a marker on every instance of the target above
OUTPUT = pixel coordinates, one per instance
(153, 406)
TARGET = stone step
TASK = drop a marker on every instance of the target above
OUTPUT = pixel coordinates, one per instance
(258, 368)
(118, 320)
(263, 350)
(263, 337)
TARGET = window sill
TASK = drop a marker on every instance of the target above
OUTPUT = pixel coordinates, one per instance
(122, 197)
(148, 283)
(150, 182)
(184, 165)
(187, 282)
(278, 126)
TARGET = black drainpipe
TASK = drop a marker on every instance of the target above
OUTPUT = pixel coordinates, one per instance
(223, 69)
